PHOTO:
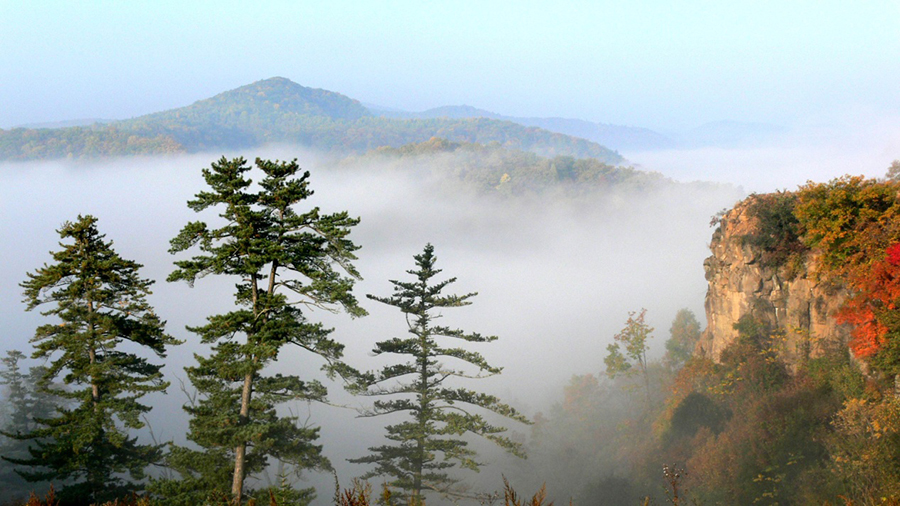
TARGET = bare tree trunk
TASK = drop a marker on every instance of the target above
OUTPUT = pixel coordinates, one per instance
(237, 485)
(240, 451)
(92, 355)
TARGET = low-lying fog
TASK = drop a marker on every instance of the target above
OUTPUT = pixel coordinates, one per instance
(556, 277)
(861, 144)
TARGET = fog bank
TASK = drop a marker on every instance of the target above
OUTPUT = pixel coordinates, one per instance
(556, 276)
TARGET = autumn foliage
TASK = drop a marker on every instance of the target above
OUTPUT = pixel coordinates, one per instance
(877, 292)
(854, 225)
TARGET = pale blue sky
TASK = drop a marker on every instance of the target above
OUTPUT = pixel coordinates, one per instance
(664, 65)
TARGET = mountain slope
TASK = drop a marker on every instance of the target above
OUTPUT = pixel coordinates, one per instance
(497, 170)
(277, 110)
(614, 136)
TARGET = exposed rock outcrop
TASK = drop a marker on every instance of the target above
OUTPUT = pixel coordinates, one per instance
(788, 297)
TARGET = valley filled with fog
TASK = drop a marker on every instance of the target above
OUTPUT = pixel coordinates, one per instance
(556, 275)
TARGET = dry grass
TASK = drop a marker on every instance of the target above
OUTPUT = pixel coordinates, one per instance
(511, 498)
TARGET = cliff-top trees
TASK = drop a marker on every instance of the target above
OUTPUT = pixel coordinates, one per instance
(428, 443)
(284, 261)
(98, 301)
(855, 224)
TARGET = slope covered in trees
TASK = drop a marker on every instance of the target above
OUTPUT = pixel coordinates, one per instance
(493, 168)
(277, 110)
(614, 136)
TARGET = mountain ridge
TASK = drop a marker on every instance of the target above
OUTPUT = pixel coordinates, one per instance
(277, 110)
(614, 136)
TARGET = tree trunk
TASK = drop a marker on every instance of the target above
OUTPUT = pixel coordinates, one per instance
(237, 485)
(420, 441)
(240, 451)
(92, 355)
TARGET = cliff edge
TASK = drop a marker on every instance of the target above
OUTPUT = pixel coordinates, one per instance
(784, 295)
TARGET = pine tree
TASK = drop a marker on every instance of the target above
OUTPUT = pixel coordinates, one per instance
(428, 444)
(24, 403)
(99, 301)
(284, 262)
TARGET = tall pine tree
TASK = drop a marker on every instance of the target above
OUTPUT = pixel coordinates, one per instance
(99, 302)
(429, 442)
(284, 262)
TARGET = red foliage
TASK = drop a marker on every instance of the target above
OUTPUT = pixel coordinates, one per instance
(893, 254)
(877, 290)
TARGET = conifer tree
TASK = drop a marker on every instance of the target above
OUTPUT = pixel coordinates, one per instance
(284, 262)
(99, 302)
(428, 444)
(24, 402)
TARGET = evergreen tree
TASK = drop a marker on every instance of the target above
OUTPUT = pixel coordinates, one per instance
(99, 301)
(428, 444)
(284, 261)
(24, 403)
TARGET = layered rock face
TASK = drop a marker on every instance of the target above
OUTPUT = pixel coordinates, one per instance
(789, 298)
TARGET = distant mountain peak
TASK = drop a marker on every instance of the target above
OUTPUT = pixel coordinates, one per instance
(458, 111)
(269, 100)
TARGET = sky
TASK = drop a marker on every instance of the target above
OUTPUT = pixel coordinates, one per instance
(669, 66)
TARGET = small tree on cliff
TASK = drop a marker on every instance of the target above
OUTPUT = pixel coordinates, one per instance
(284, 261)
(99, 301)
(428, 444)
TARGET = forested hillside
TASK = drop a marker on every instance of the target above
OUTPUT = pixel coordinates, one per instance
(277, 110)
(618, 137)
(495, 169)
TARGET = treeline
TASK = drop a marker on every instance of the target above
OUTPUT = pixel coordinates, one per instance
(73, 423)
(82, 142)
(492, 168)
(280, 111)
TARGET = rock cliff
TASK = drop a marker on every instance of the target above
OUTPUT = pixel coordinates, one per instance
(787, 297)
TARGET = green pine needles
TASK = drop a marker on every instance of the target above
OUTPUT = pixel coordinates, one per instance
(285, 262)
(99, 301)
(430, 441)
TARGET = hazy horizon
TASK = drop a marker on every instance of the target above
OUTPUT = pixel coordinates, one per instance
(648, 64)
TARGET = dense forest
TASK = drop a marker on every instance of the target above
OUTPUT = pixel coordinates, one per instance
(669, 428)
(277, 110)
